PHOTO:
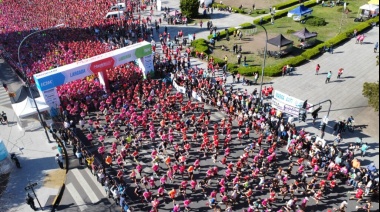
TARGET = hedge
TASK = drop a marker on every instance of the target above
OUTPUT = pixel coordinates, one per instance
(287, 4)
(283, 13)
(200, 45)
(223, 6)
(232, 29)
(276, 70)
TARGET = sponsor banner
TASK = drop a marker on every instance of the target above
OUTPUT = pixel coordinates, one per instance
(64, 74)
(290, 101)
(51, 97)
(3, 150)
(148, 63)
(285, 108)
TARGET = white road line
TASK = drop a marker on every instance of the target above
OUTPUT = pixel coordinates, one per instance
(77, 197)
(86, 187)
(93, 179)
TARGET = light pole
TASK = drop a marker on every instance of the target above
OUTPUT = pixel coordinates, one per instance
(26, 77)
(263, 67)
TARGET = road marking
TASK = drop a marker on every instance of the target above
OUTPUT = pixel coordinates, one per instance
(76, 196)
(86, 187)
(93, 179)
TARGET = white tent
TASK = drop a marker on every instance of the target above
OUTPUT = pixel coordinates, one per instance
(27, 107)
(369, 10)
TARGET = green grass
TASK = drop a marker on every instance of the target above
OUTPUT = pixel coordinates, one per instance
(331, 15)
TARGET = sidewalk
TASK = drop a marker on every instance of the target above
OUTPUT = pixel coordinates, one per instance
(38, 164)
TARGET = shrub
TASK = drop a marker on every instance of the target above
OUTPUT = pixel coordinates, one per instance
(276, 70)
(219, 6)
(246, 25)
(200, 45)
(287, 4)
(245, 71)
(237, 10)
(231, 67)
(283, 13)
(311, 3)
(315, 21)
(219, 61)
(189, 8)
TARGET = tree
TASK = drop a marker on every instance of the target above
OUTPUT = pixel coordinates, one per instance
(189, 8)
(371, 91)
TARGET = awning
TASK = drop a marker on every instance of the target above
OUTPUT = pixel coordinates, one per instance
(300, 11)
(27, 107)
(370, 7)
(280, 41)
(305, 34)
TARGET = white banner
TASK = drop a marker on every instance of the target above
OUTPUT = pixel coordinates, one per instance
(290, 101)
(51, 97)
(179, 88)
(196, 96)
(52, 78)
(159, 5)
(285, 108)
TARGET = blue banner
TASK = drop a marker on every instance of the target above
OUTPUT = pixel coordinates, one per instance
(3, 151)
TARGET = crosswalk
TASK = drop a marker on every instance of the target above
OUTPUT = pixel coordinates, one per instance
(4, 98)
(84, 189)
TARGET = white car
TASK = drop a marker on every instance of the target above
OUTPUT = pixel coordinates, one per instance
(118, 7)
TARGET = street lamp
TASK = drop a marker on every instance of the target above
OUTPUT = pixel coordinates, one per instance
(26, 77)
(263, 67)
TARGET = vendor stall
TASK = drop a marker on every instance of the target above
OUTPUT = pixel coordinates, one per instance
(306, 38)
(299, 12)
(284, 45)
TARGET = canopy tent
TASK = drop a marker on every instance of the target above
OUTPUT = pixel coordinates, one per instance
(23, 92)
(27, 107)
(370, 7)
(369, 10)
(300, 11)
(375, 2)
(280, 41)
(305, 34)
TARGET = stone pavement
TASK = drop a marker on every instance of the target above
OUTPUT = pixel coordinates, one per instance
(220, 19)
(34, 152)
(36, 156)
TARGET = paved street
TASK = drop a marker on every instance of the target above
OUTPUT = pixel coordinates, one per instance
(83, 193)
(357, 60)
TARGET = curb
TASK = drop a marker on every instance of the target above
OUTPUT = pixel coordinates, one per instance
(58, 197)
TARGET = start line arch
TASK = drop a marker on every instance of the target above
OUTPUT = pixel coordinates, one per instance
(46, 82)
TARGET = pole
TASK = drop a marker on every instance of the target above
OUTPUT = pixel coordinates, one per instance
(263, 67)
(27, 79)
(36, 197)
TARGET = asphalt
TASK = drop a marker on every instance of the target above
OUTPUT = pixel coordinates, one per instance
(37, 157)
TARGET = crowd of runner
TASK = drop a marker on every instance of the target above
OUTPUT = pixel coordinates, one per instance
(255, 151)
